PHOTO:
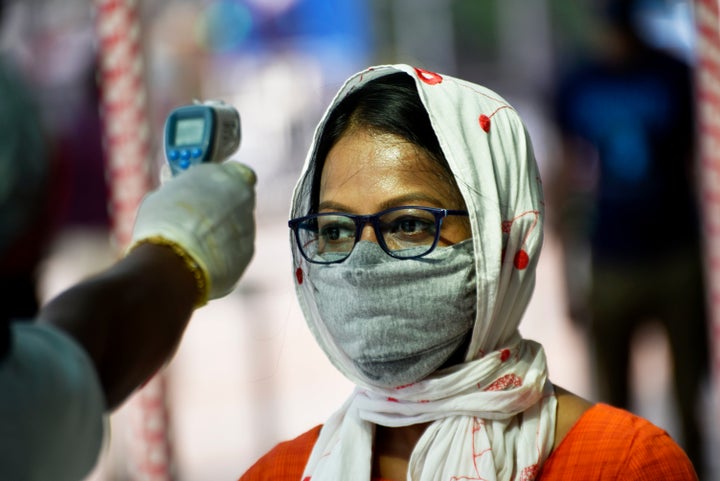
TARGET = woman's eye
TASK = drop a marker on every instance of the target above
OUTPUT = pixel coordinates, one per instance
(335, 232)
(331, 233)
(412, 225)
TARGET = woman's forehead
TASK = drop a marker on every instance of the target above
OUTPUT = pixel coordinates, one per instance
(369, 164)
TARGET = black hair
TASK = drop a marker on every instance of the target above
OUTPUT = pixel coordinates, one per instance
(388, 104)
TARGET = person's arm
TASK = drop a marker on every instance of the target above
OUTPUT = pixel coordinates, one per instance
(192, 240)
(129, 318)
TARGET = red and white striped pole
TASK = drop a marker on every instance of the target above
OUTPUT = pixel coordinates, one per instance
(707, 18)
(127, 146)
(125, 122)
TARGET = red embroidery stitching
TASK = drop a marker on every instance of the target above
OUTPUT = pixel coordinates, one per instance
(484, 120)
(477, 426)
(403, 386)
(529, 473)
(521, 259)
(504, 382)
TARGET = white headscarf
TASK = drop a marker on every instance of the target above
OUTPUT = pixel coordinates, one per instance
(494, 415)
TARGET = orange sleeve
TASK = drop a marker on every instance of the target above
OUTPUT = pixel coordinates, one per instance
(612, 444)
(286, 461)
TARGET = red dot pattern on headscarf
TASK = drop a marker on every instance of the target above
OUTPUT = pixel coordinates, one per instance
(299, 275)
(504, 355)
(485, 122)
(521, 260)
(430, 78)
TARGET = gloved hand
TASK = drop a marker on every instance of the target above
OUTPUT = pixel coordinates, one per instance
(206, 213)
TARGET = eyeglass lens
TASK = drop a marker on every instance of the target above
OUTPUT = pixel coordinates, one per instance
(407, 232)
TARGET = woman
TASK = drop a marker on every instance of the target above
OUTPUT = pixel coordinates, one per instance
(417, 226)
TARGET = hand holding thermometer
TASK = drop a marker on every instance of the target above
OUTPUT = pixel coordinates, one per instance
(201, 132)
(206, 215)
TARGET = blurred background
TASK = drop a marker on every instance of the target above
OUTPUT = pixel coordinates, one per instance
(100, 77)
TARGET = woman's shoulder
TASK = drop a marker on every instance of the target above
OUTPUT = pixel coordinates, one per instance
(570, 409)
(605, 442)
(286, 461)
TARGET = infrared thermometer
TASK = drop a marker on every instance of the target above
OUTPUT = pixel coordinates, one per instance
(202, 132)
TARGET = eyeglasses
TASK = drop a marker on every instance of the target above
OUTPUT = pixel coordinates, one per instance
(406, 232)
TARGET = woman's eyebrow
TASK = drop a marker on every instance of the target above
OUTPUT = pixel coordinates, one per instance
(413, 198)
(330, 205)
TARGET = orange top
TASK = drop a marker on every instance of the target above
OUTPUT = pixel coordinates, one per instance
(605, 444)
(609, 443)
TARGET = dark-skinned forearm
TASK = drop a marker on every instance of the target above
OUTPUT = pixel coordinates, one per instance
(129, 318)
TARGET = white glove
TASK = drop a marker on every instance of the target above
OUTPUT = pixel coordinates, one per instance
(206, 213)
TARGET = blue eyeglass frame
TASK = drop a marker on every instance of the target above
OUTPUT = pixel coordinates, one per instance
(374, 219)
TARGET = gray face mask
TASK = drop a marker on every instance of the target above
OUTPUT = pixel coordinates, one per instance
(398, 320)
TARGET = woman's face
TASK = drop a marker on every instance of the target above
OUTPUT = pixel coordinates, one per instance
(367, 171)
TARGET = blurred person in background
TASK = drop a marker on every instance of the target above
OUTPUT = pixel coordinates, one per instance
(627, 192)
(51, 158)
(91, 346)
(26, 195)
(417, 224)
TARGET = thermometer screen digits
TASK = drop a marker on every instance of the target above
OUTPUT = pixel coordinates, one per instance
(189, 131)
